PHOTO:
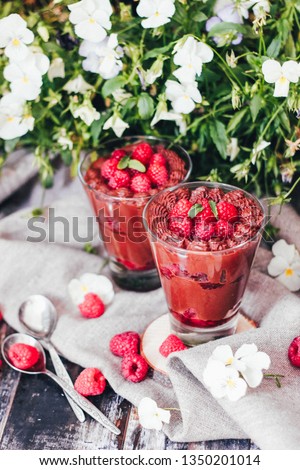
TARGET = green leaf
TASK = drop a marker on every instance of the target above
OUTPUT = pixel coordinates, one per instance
(255, 106)
(214, 209)
(197, 15)
(112, 85)
(194, 210)
(223, 28)
(290, 48)
(123, 163)
(236, 119)
(96, 129)
(66, 157)
(156, 52)
(218, 135)
(274, 48)
(145, 106)
(284, 120)
(137, 165)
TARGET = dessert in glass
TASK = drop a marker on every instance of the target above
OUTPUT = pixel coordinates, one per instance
(204, 237)
(119, 180)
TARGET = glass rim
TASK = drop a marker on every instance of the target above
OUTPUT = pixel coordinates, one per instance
(199, 183)
(128, 139)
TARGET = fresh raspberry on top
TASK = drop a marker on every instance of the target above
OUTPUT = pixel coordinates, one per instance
(109, 167)
(23, 356)
(204, 231)
(294, 352)
(92, 306)
(125, 343)
(158, 174)
(179, 222)
(227, 211)
(171, 344)
(134, 368)
(140, 183)
(90, 382)
(224, 229)
(118, 153)
(206, 214)
(143, 152)
(181, 208)
(159, 159)
(120, 179)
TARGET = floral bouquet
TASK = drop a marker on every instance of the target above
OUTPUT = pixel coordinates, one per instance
(218, 76)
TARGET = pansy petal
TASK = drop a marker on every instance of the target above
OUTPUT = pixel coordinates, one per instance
(155, 21)
(272, 70)
(78, 15)
(282, 86)
(27, 36)
(75, 291)
(282, 248)
(290, 70)
(204, 52)
(259, 360)
(277, 266)
(245, 350)
(91, 31)
(194, 93)
(184, 104)
(253, 377)
(102, 18)
(185, 74)
(292, 282)
(237, 391)
(167, 7)
(223, 354)
(16, 53)
(146, 8)
(164, 415)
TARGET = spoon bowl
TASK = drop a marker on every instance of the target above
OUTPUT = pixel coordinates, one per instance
(38, 316)
(40, 368)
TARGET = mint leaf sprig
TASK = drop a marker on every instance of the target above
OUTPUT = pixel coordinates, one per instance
(127, 162)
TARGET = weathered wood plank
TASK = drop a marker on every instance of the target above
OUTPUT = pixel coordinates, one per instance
(140, 438)
(228, 444)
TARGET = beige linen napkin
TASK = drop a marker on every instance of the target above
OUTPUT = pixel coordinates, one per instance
(268, 415)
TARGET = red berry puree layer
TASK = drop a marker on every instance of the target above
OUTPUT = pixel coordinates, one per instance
(205, 246)
(119, 186)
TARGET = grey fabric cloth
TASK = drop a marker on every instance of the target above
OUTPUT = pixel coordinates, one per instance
(18, 169)
(268, 415)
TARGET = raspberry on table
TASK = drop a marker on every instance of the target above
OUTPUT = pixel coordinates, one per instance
(92, 306)
(109, 167)
(140, 183)
(294, 352)
(158, 174)
(143, 152)
(125, 343)
(23, 356)
(90, 382)
(120, 179)
(171, 344)
(227, 211)
(134, 368)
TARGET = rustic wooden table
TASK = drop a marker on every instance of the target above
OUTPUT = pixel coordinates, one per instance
(35, 415)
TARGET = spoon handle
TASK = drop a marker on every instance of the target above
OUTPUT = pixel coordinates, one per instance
(63, 374)
(85, 404)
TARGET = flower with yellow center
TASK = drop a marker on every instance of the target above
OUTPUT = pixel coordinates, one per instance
(281, 75)
(285, 266)
(223, 381)
(90, 283)
(156, 12)
(15, 36)
(91, 19)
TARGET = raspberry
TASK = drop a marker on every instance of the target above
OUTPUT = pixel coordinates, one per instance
(109, 167)
(170, 345)
(23, 356)
(158, 174)
(140, 183)
(120, 179)
(159, 159)
(118, 153)
(134, 368)
(207, 214)
(181, 226)
(204, 231)
(125, 343)
(224, 229)
(227, 211)
(143, 152)
(181, 208)
(294, 352)
(92, 306)
(90, 382)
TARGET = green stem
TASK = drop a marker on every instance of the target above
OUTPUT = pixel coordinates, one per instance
(272, 119)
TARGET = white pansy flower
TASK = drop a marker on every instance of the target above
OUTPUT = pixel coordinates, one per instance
(28, 121)
(150, 416)
(64, 140)
(157, 12)
(91, 19)
(154, 72)
(223, 38)
(232, 149)
(162, 114)
(11, 117)
(183, 96)
(250, 362)
(14, 37)
(233, 11)
(103, 57)
(25, 76)
(116, 124)
(285, 265)
(90, 283)
(78, 85)
(258, 148)
(281, 75)
(86, 112)
(191, 56)
(223, 381)
(121, 96)
(56, 69)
